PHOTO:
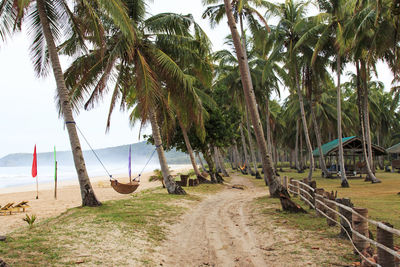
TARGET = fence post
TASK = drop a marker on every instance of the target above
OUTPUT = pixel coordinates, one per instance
(285, 182)
(329, 213)
(347, 215)
(295, 188)
(305, 180)
(313, 184)
(360, 225)
(385, 238)
(319, 192)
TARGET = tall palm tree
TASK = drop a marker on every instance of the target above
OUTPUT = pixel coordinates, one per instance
(46, 20)
(291, 26)
(144, 71)
(275, 188)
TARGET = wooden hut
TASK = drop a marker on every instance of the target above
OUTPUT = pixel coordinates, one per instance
(353, 156)
(395, 151)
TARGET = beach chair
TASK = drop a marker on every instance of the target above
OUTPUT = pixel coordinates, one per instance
(21, 206)
(7, 209)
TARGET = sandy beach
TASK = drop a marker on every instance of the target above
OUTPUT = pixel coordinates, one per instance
(68, 196)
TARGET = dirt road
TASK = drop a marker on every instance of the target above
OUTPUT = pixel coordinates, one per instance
(224, 230)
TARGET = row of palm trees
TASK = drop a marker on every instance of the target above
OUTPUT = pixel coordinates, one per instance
(162, 70)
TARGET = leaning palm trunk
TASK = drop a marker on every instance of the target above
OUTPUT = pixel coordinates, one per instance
(201, 162)
(296, 148)
(169, 182)
(268, 124)
(87, 193)
(361, 91)
(275, 188)
(237, 156)
(319, 143)
(221, 162)
(305, 128)
(252, 152)
(343, 177)
(246, 156)
(190, 152)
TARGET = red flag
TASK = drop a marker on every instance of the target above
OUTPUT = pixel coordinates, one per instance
(34, 164)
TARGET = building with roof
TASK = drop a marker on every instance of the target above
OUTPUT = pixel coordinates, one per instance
(353, 155)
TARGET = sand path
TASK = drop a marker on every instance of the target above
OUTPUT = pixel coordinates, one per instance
(227, 229)
(216, 232)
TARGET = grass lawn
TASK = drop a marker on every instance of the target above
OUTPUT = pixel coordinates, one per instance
(106, 236)
(382, 200)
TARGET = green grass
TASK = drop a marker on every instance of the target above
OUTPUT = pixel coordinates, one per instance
(382, 200)
(315, 226)
(144, 216)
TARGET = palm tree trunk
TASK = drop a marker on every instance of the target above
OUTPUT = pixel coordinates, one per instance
(303, 118)
(201, 162)
(169, 182)
(221, 162)
(237, 156)
(317, 131)
(211, 166)
(87, 193)
(268, 124)
(200, 177)
(361, 91)
(275, 188)
(343, 177)
(296, 148)
(246, 156)
(252, 152)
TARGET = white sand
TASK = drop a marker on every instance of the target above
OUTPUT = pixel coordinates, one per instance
(68, 196)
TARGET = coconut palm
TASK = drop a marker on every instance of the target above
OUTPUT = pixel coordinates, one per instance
(291, 26)
(275, 187)
(143, 72)
(47, 20)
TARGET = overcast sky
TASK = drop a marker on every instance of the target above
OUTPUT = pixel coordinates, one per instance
(27, 111)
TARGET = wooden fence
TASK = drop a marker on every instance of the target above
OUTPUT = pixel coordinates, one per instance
(353, 222)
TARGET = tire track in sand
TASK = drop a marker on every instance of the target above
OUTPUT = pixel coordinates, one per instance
(216, 232)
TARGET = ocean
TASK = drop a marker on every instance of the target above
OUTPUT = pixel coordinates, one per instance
(21, 176)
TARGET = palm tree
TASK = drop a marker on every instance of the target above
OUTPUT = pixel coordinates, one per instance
(275, 188)
(145, 71)
(46, 21)
(292, 25)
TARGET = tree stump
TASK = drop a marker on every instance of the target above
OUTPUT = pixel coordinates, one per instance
(3, 264)
(184, 179)
(285, 182)
(288, 205)
(329, 213)
(319, 208)
(313, 185)
(295, 188)
(360, 225)
(386, 239)
(347, 215)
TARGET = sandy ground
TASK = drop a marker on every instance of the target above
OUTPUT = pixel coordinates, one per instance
(226, 230)
(68, 196)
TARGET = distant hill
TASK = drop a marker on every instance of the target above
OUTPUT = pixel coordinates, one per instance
(140, 154)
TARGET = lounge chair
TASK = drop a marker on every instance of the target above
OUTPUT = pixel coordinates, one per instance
(21, 206)
(7, 209)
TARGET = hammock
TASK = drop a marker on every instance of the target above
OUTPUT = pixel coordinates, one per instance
(121, 188)
(124, 188)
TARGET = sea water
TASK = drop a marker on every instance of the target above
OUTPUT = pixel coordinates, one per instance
(21, 176)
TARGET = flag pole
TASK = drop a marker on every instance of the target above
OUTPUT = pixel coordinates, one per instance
(55, 183)
(34, 171)
(55, 174)
(37, 188)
